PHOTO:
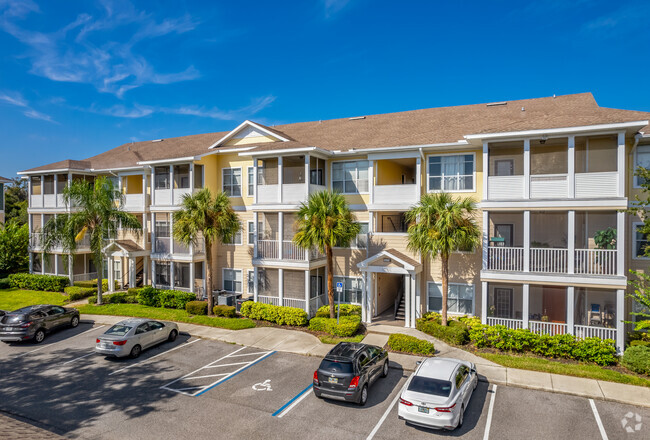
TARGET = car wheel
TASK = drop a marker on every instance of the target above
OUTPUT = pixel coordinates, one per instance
(39, 336)
(461, 416)
(364, 395)
(74, 322)
(135, 351)
(172, 336)
(384, 371)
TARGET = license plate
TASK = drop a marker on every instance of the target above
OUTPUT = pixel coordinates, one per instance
(423, 409)
(333, 380)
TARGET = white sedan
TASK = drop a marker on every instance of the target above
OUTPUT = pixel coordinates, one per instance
(437, 394)
(131, 336)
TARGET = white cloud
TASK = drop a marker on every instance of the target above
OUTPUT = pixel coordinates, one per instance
(334, 6)
(17, 100)
(86, 51)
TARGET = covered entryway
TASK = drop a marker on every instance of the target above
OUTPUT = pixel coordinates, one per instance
(391, 283)
(132, 262)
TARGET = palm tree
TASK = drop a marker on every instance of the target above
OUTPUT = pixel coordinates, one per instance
(211, 218)
(323, 222)
(97, 212)
(439, 225)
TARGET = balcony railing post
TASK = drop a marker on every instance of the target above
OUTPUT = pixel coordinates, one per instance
(485, 244)
(570, 307)
(620, 243)
(280, 179)
(571, 155)
(486, 170)
(525, 305)
(484, 301)
(371, 181)
(280, 234)
(620, 164)
(526, 241)
(526, 168)
(571, 244)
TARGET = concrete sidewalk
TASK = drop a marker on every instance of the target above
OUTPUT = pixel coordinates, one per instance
(293, 341)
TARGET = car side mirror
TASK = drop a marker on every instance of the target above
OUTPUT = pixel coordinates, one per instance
(418, 362)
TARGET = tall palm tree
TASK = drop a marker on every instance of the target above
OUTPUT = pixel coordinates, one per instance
(441, 224)
(209, 218)
(97, 212)
(323, 222)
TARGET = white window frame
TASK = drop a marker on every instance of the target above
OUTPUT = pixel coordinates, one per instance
(473, 190)
(223, 279)
(250, 278)
(634, 241)
(250, 191)
(636, 183)
(241, 238)
(354, 241)
(359, 280)
(223, 180)
(248, 232)
(454, 284)
(331, 185)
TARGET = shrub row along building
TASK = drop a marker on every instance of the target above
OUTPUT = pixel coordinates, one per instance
(550, 177)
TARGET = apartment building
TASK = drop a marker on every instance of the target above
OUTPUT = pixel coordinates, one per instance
(3, 182)
(549, 176)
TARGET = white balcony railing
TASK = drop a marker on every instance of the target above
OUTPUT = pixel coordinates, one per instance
(316, 303)
(293, 193)
(587, 331)
(36, 201)
(84, 276)
(267, 194)
(162, 197)
(268, 249)
(549, 260)
(179, 193)
(505, 187)
(292, 252)
(407, 193)
(162, 245)
(292, 302)
(506, 258)
(554, 186)
(596, 185)
(549, 186)
(547, 328)
(49, 201)
(510, 323)
(274, 300)
(595, 261)
(133, 201)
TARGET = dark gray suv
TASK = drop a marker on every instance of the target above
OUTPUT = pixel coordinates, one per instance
(348, 370)
(34, 322)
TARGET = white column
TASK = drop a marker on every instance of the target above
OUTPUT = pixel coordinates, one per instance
(306, 179)
(171, 275)
(171, 231)
(570, 312)
(571, 164)
(255, 233)
(145, 271)
(255, 160)
(526, 241)
(56, 195)
(171, 183)
(70, 269)
(281, 287)
(204, 274)
(484, 301)
(371, 182)
(364, 298)
(571, 242)
(418, 178)
(31, 262)
(153, 184)
(620, 325)
(42, 263)
(255, 283)
(620, 164)
(56, 264)
(42, 190)
(280, 235)
(526, 168)
(280, 179)
(413, 292)
(526, 305)
(371, 222)
(111, 274)
(307, 292)
(153, 273)
(370, 295)
(485, 243)
(192, 178)
(486, 170)
(192, 276)
(132, 271)
(407, 300)
(144, 198)
(69, 183)
(153, 232)
(620, 243)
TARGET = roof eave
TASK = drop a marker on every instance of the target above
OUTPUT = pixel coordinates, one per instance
(242, 125)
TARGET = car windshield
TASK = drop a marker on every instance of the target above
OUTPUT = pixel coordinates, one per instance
(427, 385)
(336, 367)
(118, 330)
(12, 319)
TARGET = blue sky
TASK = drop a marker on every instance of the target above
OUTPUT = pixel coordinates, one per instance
(80, 77)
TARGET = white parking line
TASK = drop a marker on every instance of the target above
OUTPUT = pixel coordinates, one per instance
(58, 342)
(388, 410)
(599, 422)
(488, 423)
(154, 357)
(80, 357)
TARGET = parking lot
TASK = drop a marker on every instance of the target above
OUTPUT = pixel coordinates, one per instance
(194, 388)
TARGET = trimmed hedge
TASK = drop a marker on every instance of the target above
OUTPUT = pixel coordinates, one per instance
(93, 283)
(410, 344)
(75, 293)
(225, 311)
(5, 283)
(48, 283)
(596, 350)
(640, 342)
(170, 299)
(637, 359)
(348, 325)
(279, 314)
(115, 298)
(196, 307)
(456, 332)
(346, 310)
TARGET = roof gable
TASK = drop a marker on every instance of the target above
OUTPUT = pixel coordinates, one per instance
(249, 132)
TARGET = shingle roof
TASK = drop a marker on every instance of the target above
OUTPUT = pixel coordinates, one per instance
(4, 180)
(416, 127)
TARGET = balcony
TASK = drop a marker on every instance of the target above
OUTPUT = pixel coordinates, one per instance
(270, 250)
(36, 243)
(171, 183)
(135, 202)
(283, 180)
(396, 194)
(395, 183)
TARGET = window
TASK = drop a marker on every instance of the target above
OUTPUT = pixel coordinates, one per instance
(232, 281)
(156, 325)
(161, 177)
(232, 182)
(251, 183)
(182, 275)
(352, 290)
(250, 278)
(350, 177)
(451, 173)
(162, 274)
(642, 159)
(640, 241)
(237, 238)
(362, 238)
(459, 300)
(251, 233)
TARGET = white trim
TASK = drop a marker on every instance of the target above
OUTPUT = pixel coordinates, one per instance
(248, 232)
(168, 161)
(241, 237)
(323, 154)
(474, 189)
(509, 205)
(248, 274)
(232, 134)
(241, 184)
(558, 131)
(635, 164)
(553, 278)
(634, 255)
(454, 284)
(365, 264)
(394, 155)
(223, 279)
(249, 187)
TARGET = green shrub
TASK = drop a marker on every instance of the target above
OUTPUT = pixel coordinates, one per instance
(5, 283)
(49, 283)
(410, 344)
(134, 290)
(170, 299)
(196, 307)
(75, 293)
(89, 283)
(348, 325)
(148, 296)
(640, 342)
(279, 314)
(115, 298)
(637, 359)
(455, 332)
(223, 310)
(346, 310)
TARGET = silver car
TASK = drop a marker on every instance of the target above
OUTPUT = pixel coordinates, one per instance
(131, 336)
(437, 394)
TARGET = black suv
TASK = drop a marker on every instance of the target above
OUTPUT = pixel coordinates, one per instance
(34, 322)
(348, 370)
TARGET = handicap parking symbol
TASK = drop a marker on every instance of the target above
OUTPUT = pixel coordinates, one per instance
(263, 386)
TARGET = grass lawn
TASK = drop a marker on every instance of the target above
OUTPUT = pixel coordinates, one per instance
(336, 339)
(590, 371)
(12, 299)
(177, 315)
